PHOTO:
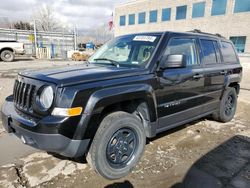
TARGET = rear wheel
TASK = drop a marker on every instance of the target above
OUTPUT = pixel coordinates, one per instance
(7, 56)
(228, 106)
(117, 146)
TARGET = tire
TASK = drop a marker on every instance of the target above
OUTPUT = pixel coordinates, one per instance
(228, 105)
(112, 153)
(7, 56)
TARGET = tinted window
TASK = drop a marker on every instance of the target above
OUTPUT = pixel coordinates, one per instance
(166, 14)
(153, 16)
(209, 53)
(228, 53)
(141, 18)
(181, 12)
(198, 10)
(219, 7)
(185, 47)
(122, 20)
(218, 56)
(131, 19)
(241, 6)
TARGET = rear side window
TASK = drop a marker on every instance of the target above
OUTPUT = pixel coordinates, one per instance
(228, 52)
(183, 46)
(209, 52)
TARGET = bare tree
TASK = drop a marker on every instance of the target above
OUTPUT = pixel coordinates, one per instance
(22, 25)
(45, 19)
(102, 34)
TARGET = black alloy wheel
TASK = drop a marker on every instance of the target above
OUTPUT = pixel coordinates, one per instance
(121, 147)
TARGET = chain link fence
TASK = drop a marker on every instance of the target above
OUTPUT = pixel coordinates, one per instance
(57, 42)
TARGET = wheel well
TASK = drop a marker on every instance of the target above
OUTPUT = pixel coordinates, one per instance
(236, 86)
(137, 107)
(10, 49)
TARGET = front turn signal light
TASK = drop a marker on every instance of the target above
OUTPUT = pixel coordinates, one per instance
(67, 112)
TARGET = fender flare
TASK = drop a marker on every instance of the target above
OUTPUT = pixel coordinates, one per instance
(232, 78)
(108, 96)
(102, 98)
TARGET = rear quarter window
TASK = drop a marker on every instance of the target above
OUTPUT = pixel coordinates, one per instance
(228, 53)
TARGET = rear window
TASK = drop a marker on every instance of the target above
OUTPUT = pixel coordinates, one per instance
(228, 52)
(209, 52)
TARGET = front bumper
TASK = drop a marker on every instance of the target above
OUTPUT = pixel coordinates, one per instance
(57, 143)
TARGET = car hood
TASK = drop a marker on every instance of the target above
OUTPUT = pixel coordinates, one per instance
(78, 74)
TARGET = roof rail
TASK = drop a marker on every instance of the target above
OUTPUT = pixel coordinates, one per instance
(199, 31)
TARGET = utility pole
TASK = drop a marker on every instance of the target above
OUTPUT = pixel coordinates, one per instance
(75, 35)
(35, 37)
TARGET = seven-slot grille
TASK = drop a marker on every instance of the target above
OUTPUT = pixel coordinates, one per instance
(23, 95)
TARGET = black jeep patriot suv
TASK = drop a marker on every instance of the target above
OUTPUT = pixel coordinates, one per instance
(132, 88)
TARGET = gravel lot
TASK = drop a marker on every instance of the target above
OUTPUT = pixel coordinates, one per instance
(203, 153)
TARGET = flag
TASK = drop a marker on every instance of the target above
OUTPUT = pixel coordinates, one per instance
(111, 23)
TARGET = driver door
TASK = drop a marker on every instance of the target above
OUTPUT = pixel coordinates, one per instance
(179, 96)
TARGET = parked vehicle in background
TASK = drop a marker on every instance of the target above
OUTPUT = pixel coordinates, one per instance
(133, 88)
(9, 49)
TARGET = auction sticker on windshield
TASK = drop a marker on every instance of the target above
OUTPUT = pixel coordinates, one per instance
(144, 38)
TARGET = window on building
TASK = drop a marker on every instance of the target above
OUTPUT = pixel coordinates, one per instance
(198, 10)
(239, 43)
(153, 16)
(241, 6)
(219, 7)
(131, 19)
(166, 14)
(181, 12)
(228, 53)
(183, 47)
(209, 52)
(141, 17)
(122, 20)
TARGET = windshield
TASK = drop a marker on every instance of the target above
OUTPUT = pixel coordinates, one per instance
(131, 50)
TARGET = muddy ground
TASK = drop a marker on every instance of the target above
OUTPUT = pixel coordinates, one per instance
(203, 153)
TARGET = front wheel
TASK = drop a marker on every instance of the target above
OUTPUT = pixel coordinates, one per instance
(228, 106)
(117, 146)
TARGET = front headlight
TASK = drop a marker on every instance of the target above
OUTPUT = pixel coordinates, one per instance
(46, 97)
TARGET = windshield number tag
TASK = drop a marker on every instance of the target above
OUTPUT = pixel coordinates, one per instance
(145, 38)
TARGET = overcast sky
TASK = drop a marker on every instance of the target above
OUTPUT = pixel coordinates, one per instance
(85, 14)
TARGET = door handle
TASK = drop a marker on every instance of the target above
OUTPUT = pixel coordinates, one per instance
(198, 76)
(223, 72)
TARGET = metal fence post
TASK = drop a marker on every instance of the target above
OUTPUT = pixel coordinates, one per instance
(35, 37)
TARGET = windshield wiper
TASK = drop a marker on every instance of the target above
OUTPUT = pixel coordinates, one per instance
(113, 62)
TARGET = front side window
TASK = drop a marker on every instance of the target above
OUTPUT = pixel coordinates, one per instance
(182, 46)
(228, 52)
(153, 16)
(166, 14)
(141, 17)
(241, 6)
(209, 52)
(198, 10)
(131, 50)
(181, 12)
(131, 19)
(219, 7)
(122, 20)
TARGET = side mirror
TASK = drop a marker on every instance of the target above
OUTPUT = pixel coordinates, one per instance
(175, 61)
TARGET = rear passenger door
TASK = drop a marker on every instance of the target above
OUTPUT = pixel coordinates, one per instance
(214, 73)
